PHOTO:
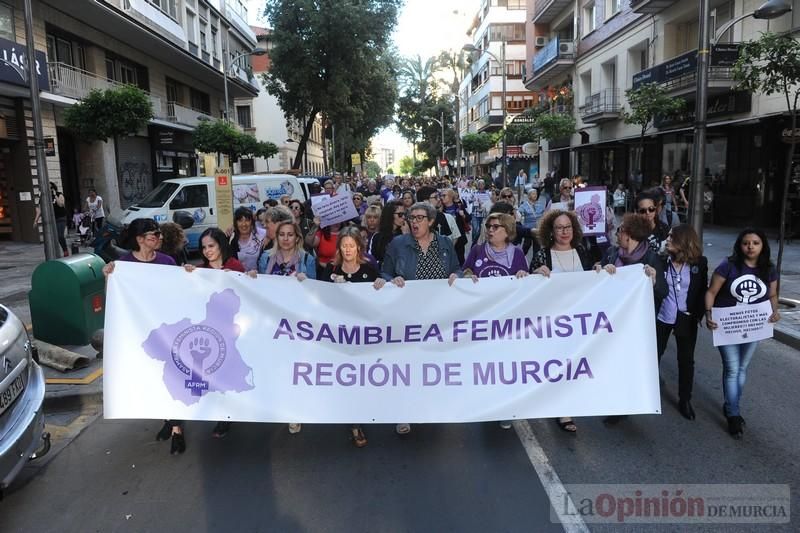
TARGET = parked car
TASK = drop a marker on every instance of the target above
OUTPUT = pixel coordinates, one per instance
(22, 435)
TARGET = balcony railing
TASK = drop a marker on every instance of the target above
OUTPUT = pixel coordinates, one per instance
(73, 82)
(651, 6)
(547, 10)
(601, 106)
(185, 115)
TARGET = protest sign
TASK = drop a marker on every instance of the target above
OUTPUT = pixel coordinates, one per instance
(590, 208)
(742, 323)
(214, 345)
(334, 209)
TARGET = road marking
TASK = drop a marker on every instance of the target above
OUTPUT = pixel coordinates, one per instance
(76, 381)
(556, 493)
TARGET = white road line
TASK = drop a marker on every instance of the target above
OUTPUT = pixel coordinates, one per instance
(556, 493)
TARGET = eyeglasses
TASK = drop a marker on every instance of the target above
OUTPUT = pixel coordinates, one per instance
(506, 196)
(645, 210)
(417, 218)
(295, 206)
(399, 213)
(563, 229)
(493, 227)
(156, 234)
(566, 187)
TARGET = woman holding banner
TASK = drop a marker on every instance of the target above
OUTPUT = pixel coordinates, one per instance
(747, 277)
(424, 254)
(682, 309)
(393, 223)
(561, 250)
(247, 237)
(351, 266)
(288, 258)
(144, 238)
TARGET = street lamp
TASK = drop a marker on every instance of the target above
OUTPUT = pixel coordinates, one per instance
(305, 153)
(471, 48)
(440, 123)
(226, 67)
(768, 10)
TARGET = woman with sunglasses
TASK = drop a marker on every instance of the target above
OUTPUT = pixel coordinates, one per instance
(647, 206)
(359, 203)
(299, 213)
(143, 237)
(247, 238)
(392, 224)
(370, 226)
(746, 277)
(217, 255)
(683, 307)
(565, 197)
(451, 206)
(560, 237)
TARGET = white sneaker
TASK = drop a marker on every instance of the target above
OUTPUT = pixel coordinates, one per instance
(505, 424)
(403, 429)
(295, 428)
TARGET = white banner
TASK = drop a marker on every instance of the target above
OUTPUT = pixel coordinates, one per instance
(212, 345)
(742, 323)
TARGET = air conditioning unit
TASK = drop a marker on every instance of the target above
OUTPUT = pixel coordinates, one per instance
(540, 41)
(567, 48)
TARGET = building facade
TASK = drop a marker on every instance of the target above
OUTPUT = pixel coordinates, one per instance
(175, 50)
(606, 47)
(497, 23)
(263, 117)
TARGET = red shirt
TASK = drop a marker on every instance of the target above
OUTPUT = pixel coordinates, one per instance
(327, 247)
(231, 264)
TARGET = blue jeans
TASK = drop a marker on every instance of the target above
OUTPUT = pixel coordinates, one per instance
(476, 228)
(735, 359)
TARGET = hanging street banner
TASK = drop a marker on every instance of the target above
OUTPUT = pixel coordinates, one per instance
(215, 345)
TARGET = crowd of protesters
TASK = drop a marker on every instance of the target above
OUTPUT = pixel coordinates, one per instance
(422, 228)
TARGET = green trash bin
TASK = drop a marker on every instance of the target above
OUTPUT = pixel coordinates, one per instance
(68, 299)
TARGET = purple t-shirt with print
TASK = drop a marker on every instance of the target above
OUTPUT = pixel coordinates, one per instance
(160, 259)
(482, 266)
(742, 286)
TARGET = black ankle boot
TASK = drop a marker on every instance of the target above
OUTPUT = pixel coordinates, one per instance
(178, 444)
(735, 428)
(685, 407)
(165, 431)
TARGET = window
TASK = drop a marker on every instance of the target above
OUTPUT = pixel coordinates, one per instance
(722, 14)
(7, 22)
(247, 165)
(173, 91)
(190, 196)
(168, 7)
(214, 43)
(201, 101)
(613, 7)
(506, 32)
(243, 116)
(589, 18)
(127, 74)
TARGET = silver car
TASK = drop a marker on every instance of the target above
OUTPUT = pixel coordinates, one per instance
(22, 435)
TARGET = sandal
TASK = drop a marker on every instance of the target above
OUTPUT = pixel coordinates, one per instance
(568, 426)
(295, 428)
(403, 429)
(359, 439)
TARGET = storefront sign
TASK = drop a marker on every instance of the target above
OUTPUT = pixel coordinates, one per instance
(718, 106)
(13, 57)
(723, 55)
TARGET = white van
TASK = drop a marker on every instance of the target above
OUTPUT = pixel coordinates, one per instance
(197, 196)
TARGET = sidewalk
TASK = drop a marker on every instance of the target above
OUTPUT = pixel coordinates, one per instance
(18, 261)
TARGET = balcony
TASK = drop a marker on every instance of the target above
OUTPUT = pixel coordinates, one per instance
(185, 115)
(651, 6)
(679, 74)
(72, 82)
(150, 15)
(547, 10)
(601, 107)
(551, 63)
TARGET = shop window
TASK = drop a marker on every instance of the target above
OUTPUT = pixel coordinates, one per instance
(7, 22)
(191, 196)
(248, 165)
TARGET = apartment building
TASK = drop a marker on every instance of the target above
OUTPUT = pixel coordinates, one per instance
(263, 117)
(175, 50)
(605, 47)
(498, 23)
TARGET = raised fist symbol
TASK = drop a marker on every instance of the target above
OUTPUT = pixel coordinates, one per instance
(199, 348)
(747, 289)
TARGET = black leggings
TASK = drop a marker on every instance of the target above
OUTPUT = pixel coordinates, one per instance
(685, 345)
(61, 229)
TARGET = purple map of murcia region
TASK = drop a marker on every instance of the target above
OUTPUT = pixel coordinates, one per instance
(200, 358)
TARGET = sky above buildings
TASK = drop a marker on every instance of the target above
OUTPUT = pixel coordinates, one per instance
(425, 28)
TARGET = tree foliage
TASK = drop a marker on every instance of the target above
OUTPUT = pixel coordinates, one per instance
(219, 137)
(372, 168)
(553, 126)
(110, 113)
(771, 65)
(647, 102)
(334, 58)
(478, 142)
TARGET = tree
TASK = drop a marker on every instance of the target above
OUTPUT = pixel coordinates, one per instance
(771, 65)
(475, 143)
(333, 58)
(456, 63)
(647, 102)
(418, 95)
(372, 168)
(553, 126)
(221, 137)
(110, 113)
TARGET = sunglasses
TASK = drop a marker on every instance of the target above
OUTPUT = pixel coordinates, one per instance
(645, 210)
(156, 234)
(566, 187)
(399, 213)
(493, 227)
(295, 206)
(506, 196)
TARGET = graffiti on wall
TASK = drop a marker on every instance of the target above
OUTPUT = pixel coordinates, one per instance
(135, 182)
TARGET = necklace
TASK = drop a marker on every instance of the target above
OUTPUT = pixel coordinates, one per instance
(572, 255)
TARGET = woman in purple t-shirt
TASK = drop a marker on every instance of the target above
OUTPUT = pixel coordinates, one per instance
(144, 238)
(747, 277)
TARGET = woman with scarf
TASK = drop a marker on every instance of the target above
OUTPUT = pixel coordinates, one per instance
(683, 307)
(633, 249)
